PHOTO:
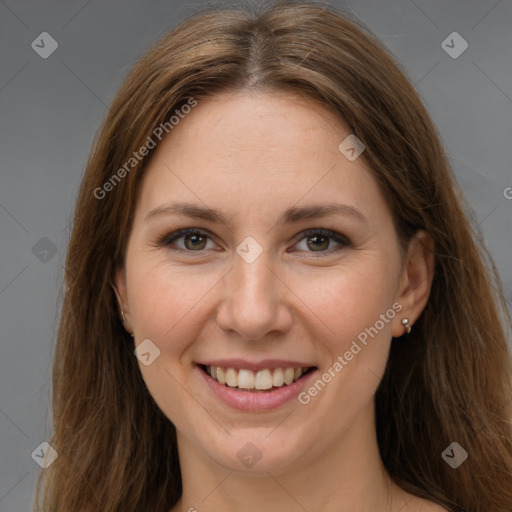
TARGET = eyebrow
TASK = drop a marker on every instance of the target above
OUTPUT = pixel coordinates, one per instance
(292, 215)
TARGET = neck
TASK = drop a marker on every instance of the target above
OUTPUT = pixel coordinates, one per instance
(347, 477)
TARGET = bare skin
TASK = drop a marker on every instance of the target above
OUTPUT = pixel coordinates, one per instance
(252, 156)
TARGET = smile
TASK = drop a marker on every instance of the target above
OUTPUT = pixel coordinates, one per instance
(263, 380)
(255, 390)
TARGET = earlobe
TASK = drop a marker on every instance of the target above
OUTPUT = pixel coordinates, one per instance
(119, 287)
(416, 280)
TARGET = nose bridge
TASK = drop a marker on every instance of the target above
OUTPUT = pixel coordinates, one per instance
(254, 282)
(252, 303)
(251, 268)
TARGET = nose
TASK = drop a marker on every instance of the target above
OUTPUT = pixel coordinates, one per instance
(254, 300)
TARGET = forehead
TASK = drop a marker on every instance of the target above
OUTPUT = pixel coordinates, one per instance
(271, 125)
(249, 148)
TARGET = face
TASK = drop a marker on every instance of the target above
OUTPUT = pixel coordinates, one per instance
(266, 278)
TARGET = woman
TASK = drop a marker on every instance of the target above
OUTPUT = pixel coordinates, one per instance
(207, 359)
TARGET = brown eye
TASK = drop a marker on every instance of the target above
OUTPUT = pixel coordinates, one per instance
(194, 240)
(319, 240)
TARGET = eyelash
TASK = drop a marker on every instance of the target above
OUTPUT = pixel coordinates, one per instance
(168, 239)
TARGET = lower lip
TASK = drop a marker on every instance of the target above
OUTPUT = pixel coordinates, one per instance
(256, 401)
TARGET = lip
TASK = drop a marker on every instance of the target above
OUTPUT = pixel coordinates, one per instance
(255, 366)
(254, 401)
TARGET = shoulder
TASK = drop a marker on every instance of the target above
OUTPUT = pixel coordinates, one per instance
(432, 507)
(416, 504)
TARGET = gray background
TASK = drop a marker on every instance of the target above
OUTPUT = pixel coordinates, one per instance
(51, 108)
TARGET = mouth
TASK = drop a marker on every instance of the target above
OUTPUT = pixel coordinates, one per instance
(265, 380)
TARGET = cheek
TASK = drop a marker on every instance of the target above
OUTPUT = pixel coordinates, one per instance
(164, 308)
(350, 299)
(361, 313)
(167, 307)
(354, 308)
(165, 300)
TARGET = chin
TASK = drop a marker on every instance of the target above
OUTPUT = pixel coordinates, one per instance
(257, 451)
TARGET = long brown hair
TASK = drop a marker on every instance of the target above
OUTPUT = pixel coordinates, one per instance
(448, 381)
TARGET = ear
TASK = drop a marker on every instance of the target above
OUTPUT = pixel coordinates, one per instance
(415, 281)
(119, 286)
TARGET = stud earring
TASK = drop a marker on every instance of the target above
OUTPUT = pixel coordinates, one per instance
(120, 307)
(124, 321)
(405, 323)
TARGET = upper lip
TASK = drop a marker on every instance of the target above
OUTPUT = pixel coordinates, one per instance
(255, 366)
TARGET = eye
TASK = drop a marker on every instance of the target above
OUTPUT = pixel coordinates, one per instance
(196, 240)
(319, 240)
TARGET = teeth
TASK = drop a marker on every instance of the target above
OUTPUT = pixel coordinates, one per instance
(231, 378)
(261, 380)
(288, 376)
(221, 376)
(246, 379)
(278, 377)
